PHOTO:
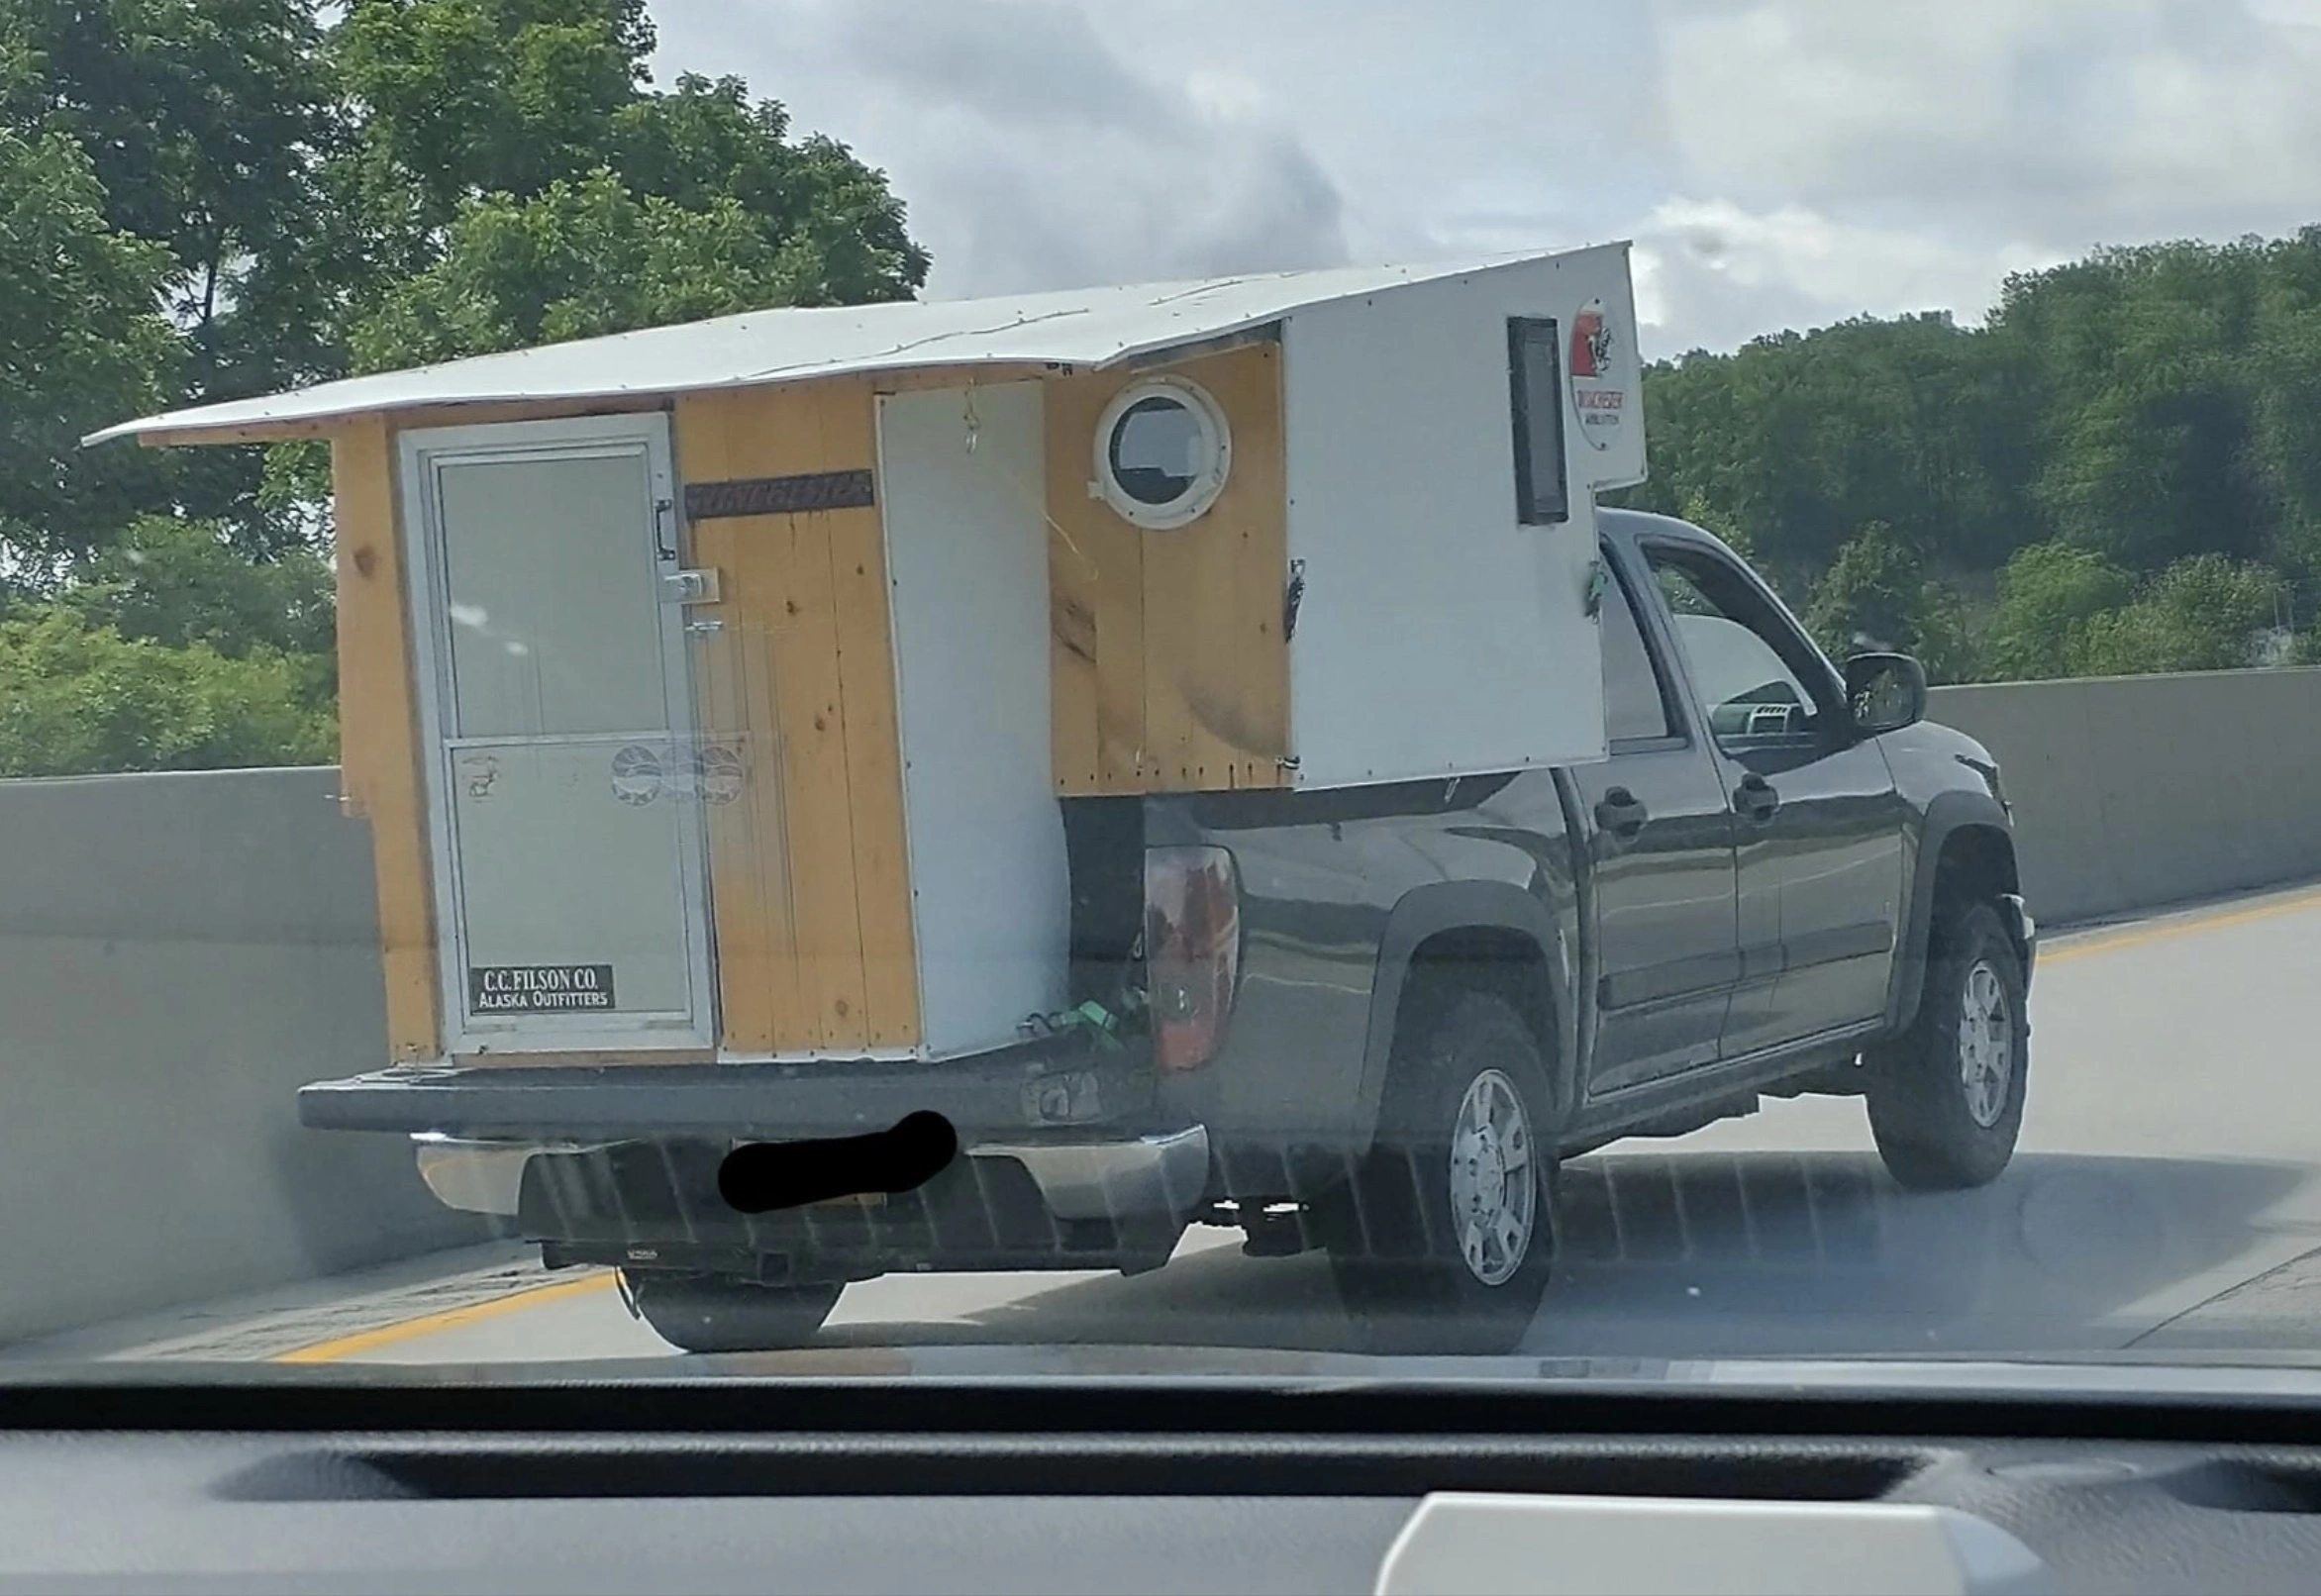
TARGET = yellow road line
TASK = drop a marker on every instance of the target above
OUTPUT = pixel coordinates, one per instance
(368, 1341)
(476, 1313)
(2169, 929)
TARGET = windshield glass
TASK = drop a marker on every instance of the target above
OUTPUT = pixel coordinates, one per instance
(1247, 684)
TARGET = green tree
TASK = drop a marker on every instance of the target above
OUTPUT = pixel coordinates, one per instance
(2046, 595)
(582, 259)
(463, 102)
(204, 122)
(2205, 613)
(1801, 439)
(82, 344)
(1876, 595)
(180, 583)
(76, 698)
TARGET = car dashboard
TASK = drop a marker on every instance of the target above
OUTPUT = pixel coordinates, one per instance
(457, 1481)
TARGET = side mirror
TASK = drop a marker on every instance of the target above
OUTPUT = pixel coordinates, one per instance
(1885, 692)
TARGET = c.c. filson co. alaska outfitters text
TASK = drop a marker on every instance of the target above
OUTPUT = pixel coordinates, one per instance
(539, 988)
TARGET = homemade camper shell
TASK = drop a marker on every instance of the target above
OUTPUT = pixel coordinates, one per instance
(714, 691)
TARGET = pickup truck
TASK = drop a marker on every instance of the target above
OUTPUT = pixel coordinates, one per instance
(1371, 1021)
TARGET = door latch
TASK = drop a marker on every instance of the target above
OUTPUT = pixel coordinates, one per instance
(703, 628)
(689, 588)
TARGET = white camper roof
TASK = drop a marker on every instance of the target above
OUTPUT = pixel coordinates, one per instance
(1092, 327)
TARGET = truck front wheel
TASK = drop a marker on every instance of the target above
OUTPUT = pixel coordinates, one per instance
(1443, 1238)
(709, 1313)
(1945, 1098)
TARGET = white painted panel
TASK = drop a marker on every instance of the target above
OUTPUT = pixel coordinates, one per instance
(966, 548)
(1436, 635)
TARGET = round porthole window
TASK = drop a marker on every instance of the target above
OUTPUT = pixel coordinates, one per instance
(1162, 451)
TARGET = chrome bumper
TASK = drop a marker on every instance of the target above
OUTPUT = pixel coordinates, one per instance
(1077, 1180)
(1152, 1174)
(481, 1177)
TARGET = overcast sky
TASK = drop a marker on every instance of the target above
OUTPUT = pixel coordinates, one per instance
(1778, 162)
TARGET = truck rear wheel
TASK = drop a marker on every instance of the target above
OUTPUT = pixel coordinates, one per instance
(1444, 1238)
(1946, 1099)
(710, 1313)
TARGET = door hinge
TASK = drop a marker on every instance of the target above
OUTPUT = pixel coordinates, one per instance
(1293, 596)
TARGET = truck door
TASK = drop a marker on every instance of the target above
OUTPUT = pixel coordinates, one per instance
(563, 778)
(1660, 841)
(1818, 828)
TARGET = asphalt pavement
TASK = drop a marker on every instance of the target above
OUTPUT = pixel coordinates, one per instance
(2166, 1199)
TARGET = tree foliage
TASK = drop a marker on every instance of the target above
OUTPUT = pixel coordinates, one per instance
(1877, 596)
(2046, 595)
(82, 344)
(76, 698)
(2111, 420)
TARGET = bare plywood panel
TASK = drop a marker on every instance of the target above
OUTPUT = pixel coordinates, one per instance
(1170, 671)
(803, 680)
(378, 729)
(1095, 587)
(749, 853)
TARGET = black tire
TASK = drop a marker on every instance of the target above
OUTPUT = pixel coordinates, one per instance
(1934, 1125)
(1397, 1245)
(709, 1313)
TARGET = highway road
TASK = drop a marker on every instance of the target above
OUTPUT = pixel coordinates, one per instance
(2166, 1199)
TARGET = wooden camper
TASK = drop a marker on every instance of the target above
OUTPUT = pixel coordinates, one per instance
(711, 691)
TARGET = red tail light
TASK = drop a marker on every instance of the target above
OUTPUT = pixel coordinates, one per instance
(1192, 950)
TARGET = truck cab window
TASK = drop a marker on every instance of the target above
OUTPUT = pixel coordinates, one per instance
(1636, 709)
(1750, 665)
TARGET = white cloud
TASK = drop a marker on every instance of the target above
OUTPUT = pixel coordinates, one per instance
(1034, 154)
(2073, 122)
(1711, 274)
(1780, 163)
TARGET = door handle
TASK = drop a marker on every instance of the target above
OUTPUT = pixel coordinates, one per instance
(1619, 813)
(1755, 800)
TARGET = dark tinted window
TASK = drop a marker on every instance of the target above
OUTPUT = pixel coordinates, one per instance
(1634, 705)
(1536, 395)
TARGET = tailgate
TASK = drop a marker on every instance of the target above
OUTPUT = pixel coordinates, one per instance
(1051, 1082)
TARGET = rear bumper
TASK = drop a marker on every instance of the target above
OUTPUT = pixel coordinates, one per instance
(655, 1204)
(1164, 1172)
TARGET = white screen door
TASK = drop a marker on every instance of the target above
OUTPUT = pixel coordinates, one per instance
(563, 791)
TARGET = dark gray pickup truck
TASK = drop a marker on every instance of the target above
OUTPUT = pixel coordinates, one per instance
(1371, 1022)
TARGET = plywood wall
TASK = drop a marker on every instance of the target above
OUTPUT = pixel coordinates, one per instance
(380, 775)
(808, 868)
(1170, 672)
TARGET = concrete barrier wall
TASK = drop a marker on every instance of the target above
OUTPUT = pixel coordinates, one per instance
(178, 954)
(2133, 791)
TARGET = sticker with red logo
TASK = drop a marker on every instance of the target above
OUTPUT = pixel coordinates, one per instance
(1597, 398)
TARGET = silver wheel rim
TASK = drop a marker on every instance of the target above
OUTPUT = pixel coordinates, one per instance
(1494, 1189)
(1986, 1043)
